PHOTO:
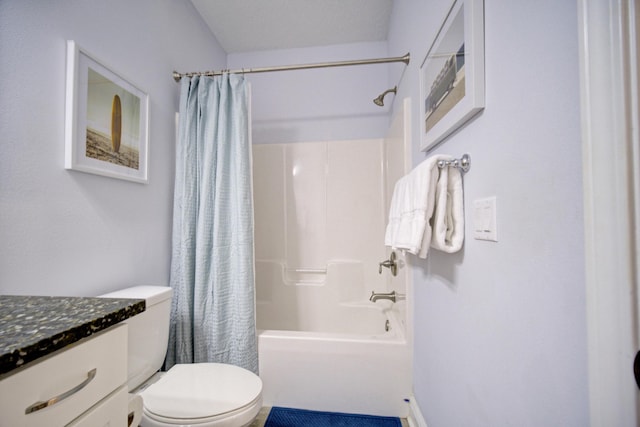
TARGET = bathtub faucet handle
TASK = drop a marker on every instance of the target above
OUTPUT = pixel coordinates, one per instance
(390, 263)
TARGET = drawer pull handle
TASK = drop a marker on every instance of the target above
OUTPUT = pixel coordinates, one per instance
(44, 404)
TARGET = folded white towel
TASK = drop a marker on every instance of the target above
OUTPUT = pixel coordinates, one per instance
(411, 208)
(448, 216)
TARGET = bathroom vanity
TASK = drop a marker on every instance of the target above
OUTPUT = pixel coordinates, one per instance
(63, 360)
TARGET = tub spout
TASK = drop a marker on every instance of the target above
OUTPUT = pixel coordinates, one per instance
(391, 296)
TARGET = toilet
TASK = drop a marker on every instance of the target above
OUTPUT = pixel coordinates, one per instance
(193, 395)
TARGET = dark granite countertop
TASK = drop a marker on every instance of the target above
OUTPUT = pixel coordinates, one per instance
(34, 326)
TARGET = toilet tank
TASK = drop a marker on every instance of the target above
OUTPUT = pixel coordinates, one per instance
(148, 331)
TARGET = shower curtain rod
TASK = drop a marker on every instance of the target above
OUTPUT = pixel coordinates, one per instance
(177, 76)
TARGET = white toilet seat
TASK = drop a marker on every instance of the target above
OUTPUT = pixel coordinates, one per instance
(204, 395)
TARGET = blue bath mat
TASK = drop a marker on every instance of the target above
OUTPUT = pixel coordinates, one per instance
(287, 417)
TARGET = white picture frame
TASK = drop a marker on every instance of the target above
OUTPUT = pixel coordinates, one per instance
(452, 74)
(106, 120)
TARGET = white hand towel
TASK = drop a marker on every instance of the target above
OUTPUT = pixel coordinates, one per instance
(411, 208)
(448, 216)
(395, 211)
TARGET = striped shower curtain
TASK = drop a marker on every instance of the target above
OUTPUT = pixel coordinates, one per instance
(212, 265)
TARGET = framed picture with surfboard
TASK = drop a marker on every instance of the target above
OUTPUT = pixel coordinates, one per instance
(107, 120)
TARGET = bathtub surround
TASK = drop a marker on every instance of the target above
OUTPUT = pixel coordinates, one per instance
(319, 241)
(212, 265)
(317, 214)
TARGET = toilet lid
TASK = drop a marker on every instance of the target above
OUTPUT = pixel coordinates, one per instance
(201, 390)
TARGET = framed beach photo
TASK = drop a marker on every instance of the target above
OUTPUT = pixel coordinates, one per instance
(452, 74)
(107, 120)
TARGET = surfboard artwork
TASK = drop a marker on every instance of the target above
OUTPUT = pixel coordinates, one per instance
(113, 122)
(106, 120)
(116, 123)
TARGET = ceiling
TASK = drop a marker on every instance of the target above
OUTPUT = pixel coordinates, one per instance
(253, 25)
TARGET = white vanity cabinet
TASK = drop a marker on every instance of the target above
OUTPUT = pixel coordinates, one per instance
(84, 385)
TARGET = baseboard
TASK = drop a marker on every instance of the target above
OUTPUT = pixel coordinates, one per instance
(415, 415)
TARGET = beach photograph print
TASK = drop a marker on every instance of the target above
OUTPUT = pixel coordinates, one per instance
(446, 72)
(452, 74)
(112, 122)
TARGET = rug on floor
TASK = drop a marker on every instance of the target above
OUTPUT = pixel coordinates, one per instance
(288, 417)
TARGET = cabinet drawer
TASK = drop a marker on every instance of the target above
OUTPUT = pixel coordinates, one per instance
(109, 412)
(62, 372)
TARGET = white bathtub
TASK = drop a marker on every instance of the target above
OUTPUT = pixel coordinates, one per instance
(344, 361)
(363, 319)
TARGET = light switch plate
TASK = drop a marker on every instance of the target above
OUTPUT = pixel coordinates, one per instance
(484, 219)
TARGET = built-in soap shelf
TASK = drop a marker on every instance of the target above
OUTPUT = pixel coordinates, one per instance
(343, 280)
(305, 276)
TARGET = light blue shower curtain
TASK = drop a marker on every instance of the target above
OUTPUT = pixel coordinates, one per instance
(212, 265)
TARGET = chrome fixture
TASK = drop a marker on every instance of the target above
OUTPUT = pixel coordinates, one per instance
(463, 163)
(379, 101)
(391, 296)
(391, 264)
(404, 59)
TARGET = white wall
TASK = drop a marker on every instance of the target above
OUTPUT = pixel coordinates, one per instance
(69, 233)
(500, 331)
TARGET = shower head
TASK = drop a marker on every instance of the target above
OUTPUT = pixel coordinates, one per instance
(379, 101)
